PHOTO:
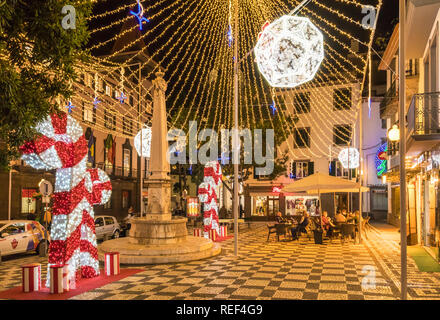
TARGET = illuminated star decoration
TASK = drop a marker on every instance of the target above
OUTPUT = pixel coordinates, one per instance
(223, 159)
(122, 97)
(273, 107)
(70, 107)
(139, 15)
(230, 38)
(369, 108)
(96, 102)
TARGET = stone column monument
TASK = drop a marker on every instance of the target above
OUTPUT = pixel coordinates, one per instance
(158, 237)
(159, 185)
(158, 226)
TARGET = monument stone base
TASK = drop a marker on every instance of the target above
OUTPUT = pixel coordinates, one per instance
(157, 241)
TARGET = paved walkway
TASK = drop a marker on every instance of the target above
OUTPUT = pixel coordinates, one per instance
(270, 270)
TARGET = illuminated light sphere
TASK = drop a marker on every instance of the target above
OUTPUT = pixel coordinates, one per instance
(349, 158)
(394, 133)
(289, 51)
(146, 142)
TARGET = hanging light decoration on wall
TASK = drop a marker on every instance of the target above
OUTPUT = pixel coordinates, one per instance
(145, 135)
(349, 158)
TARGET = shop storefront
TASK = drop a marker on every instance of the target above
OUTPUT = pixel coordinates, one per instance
(263, 202)
(297, 204)
(423, 201)
(265, 206)
(427, 202)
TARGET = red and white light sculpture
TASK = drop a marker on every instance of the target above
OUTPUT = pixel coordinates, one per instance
(208, 192)
(62, 146)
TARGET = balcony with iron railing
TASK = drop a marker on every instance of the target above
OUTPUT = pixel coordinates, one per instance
(390, 102)
(423, 122)
(388, 105)
(118, 172)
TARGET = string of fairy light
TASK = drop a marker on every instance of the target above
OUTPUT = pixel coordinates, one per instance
(193, 45)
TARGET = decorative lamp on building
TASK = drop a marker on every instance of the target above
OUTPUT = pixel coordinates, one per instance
(393, 138)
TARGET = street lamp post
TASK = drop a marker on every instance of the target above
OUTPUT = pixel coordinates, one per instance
(402, 149)
(236, 145)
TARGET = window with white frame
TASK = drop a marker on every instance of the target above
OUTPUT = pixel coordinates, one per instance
(89, 80)
(126, 161)
(110, 119)
(108, 90)
(301, 169)
(336, 169)
(89, 114)
(127, 125)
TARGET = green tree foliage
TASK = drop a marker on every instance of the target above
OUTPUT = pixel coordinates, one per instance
(37, 58)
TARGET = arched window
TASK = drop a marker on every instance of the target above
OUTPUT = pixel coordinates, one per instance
(109, 154)
(126, 158)
(91, 148)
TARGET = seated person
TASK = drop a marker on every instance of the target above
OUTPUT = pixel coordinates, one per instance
(340, 218)
(279, 218)
(304, 222)
(302, 225)
(327, 224)
(356, 216)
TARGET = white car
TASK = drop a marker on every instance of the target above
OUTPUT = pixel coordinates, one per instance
(18, 236)
(107, 227)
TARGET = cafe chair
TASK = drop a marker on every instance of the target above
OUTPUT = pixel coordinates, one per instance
(347, 230)
(271, 229)
(366, 226)
(281, 230)
(336, 232)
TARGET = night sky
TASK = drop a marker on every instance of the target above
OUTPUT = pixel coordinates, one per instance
(388, 18)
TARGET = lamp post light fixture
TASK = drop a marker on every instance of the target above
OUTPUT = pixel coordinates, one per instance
(394, 133)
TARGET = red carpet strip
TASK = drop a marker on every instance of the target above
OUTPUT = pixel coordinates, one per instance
(83, 285)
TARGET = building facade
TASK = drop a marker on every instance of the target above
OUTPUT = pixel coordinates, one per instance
(328, 122)
(111, 103)
(422, 125)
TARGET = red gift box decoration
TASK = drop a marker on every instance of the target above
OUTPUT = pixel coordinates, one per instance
(57, 278)
(198, 232)
(223, 231)
(31, 277)
(112, 263)
(212, 234)
(66, 280)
